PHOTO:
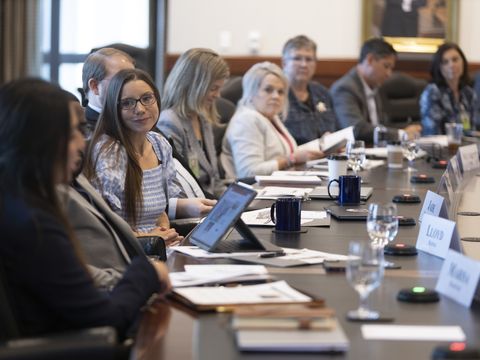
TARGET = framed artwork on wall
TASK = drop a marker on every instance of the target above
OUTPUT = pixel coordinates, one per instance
(411, 26)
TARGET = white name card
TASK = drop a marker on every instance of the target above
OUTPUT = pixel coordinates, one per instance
(455, 167)
(469, 157)
(448, 186)
(458, 278)
(433, 204)
(437, 235)
(453, 173)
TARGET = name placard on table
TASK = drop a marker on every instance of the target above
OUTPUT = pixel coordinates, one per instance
(433, 204)
(458, 278)
(454, 172)
(437, 235)
(469, 157)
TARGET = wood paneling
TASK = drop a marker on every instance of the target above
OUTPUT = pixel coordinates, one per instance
(328, 70)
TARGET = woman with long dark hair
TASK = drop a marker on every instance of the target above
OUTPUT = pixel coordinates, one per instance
(132, 166)
(47, 281)
(449, 98)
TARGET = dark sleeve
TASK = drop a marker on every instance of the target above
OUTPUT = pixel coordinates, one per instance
(51, 271)
(350, 112)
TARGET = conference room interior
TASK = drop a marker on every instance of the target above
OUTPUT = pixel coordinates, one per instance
(51, 38)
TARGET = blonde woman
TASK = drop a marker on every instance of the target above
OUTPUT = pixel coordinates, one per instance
(189, 111)
(257, 142)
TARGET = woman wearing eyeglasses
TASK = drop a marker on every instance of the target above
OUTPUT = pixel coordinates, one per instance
(130, 165)
(189, 112)
(310, 106)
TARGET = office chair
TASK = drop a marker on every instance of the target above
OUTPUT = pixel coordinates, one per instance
(400, 98)
(232, 90)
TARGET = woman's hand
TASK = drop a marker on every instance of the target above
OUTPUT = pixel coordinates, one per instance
(302, 156)
(162, 273)
(169, 235)
(194, 207)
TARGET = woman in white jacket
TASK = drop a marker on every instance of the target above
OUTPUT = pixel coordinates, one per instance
(256, 141)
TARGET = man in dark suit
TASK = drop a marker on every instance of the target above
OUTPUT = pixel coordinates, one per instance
(98, 69)
(355, 95)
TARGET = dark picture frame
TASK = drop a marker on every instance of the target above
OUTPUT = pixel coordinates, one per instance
(411, 26)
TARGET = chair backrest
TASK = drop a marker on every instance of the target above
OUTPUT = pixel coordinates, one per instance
(232, 90)
(400, 97)
(225, 109)
(8, 324)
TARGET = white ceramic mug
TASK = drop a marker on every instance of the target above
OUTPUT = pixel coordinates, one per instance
(337, 166)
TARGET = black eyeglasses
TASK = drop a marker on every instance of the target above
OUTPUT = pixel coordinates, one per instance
(130, 103)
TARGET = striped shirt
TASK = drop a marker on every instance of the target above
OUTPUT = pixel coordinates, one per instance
(158, 184)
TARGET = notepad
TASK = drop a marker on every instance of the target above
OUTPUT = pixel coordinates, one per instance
(293, 340)
(287, 180)
(211, 298)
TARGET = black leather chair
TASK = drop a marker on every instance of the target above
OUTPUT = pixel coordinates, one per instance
(232, 90)
(93, 343)
(400, 98)
(226, 109)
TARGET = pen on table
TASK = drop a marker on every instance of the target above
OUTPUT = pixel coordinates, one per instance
(271, 254)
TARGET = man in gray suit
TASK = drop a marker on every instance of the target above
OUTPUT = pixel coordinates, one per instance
(355, 95)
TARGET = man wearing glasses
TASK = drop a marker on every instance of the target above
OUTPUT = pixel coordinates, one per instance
(310, 112)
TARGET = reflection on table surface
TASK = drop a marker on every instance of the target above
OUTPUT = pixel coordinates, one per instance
(169, 333)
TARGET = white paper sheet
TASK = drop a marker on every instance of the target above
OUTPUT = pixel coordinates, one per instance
(413, 332)
(275, 292)
(206, 274)
(274, 192)
(196, 252)
(300, 173)
(287, 180)
(331, 139)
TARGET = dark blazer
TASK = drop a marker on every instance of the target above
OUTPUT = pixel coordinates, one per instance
(50, 289)
(183, 136)
(92, 118)
(350, 103)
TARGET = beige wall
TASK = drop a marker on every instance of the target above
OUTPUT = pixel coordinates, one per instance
(334, 24)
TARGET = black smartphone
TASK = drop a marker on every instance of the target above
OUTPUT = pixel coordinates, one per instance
(334, 266)
(406, 221)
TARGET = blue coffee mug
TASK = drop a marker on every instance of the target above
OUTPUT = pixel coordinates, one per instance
(286, 213)
(349, 189)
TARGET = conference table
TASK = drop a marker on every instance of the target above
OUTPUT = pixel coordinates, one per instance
(170, 332)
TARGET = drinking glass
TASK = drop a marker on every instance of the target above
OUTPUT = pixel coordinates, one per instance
(410, 150)
(382, 223)
(356, 154)
(364, 273)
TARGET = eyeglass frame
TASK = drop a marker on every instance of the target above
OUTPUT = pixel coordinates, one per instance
(119, 103)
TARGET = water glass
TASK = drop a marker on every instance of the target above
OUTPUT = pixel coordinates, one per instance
(410, 150)
(364, 273)
(382, 223)
(356, 155)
